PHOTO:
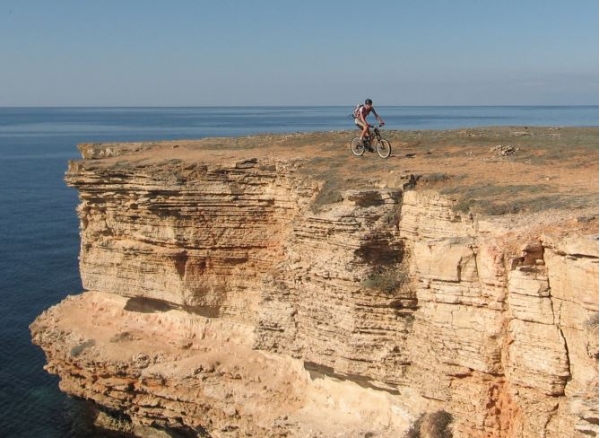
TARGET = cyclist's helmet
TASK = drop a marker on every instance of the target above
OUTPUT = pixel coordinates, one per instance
(368, 102)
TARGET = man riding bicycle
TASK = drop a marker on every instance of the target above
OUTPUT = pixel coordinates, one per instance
(360, 118)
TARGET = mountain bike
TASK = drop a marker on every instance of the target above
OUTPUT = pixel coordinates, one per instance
(382, 146)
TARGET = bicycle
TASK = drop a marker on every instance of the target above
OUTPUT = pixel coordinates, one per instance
(383, 147)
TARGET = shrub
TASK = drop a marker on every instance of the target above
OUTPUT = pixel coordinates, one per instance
(329, 194)
(432, 425)
(387, 280)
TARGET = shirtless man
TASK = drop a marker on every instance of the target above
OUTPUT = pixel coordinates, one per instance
(361, 118)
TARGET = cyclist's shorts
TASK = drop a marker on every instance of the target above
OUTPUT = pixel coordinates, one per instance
(359, 123)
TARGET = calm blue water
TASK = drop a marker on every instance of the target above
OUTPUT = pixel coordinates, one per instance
(39, 227)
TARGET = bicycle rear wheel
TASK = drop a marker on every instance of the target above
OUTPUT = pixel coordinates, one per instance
(384, 148)
(358, 146)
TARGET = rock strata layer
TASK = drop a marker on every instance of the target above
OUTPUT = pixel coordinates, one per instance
(240, 298)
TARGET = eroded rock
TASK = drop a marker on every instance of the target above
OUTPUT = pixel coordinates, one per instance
(219, 303)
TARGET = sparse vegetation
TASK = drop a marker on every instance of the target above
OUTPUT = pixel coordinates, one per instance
(386, 280)
(495, 200)
(78, 349)
(392, 218)
(432, 425)
(329, 194)
(538, 150)
(462, 163)
(592, 321)
(436, 178)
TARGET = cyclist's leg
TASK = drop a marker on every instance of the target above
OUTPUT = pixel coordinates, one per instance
(366, 133)
(363, 127)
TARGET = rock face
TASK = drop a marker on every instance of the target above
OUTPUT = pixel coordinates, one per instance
(243, 299)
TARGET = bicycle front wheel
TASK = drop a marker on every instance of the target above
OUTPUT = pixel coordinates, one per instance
(357, 146)
(384, 148)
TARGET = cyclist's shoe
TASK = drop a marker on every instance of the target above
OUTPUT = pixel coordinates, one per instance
(370, 149)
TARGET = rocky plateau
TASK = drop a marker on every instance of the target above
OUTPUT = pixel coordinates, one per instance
(277, 286)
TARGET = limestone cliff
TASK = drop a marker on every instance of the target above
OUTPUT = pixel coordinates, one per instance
(239, 295)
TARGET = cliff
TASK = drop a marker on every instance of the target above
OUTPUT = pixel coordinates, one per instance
(279, 286)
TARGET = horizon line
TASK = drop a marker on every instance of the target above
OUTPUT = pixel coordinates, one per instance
(291, 106)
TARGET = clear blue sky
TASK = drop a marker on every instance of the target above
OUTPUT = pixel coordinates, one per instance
(279, 52)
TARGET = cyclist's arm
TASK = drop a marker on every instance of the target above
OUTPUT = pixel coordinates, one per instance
(379, 119)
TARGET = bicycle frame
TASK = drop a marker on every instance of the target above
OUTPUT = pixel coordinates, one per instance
(375, 132)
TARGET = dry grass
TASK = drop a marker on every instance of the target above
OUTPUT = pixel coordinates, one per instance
(551, 168)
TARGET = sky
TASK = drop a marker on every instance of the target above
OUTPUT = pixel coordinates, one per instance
(309, 52)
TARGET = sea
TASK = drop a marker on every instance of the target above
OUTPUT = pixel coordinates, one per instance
(39, 240)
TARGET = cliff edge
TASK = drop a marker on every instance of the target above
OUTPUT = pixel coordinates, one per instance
(277, 285)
